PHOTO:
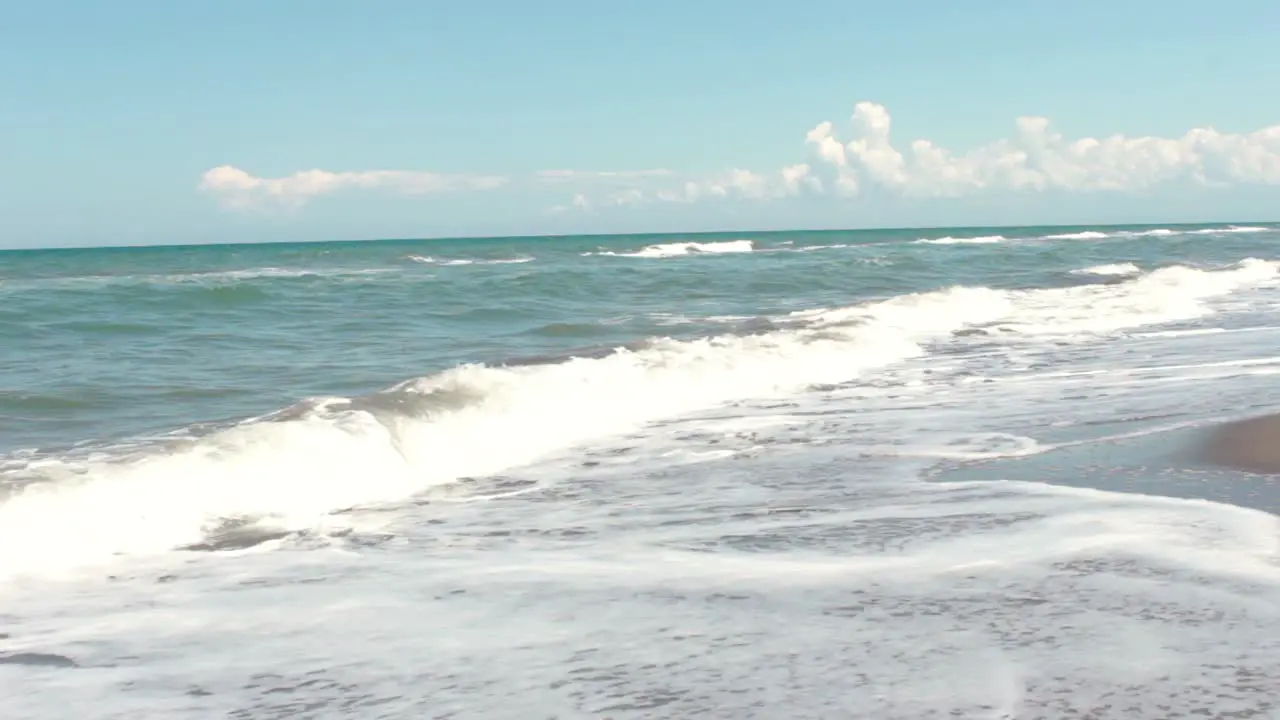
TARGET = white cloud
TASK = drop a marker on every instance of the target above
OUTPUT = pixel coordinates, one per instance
(790, 180)
(830, 151)
(552, 176)
(238, 188)
(1035, 158)
(580, 201)
(1038, 157)
(595, 188)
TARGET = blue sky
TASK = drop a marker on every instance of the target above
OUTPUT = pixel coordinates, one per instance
(443, 118)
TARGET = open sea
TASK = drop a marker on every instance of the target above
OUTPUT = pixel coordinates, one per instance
(883, 474)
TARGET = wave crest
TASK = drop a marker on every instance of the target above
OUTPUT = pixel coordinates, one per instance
(678, 249)
(296, 467)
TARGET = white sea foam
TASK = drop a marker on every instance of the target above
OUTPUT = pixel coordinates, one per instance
(453, 262)
(209, 278)
(675, 319)
(248, 274)
(980, 600)
(679, 249)
(1113, 270)
(1168, 294)
(1085, 235)
(1165, 295)
(826, 579)
(475, 421)
(978, 240)
(1157, 232)
(1098, 235)
(1229, 230)
(244, 274)
(297, 467)
(812, 248)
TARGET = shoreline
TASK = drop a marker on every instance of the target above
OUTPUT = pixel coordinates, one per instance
(1251, 445)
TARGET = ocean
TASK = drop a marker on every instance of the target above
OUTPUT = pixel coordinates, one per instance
(841, 474)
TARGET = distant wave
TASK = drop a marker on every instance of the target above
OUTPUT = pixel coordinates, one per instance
(210, 278)
(221, 276)
(678, 249)
(244, 274)
(1094, 235)
(811, 248)
(428, 260)
(1113, 270)
(979, 240)
(1155, 232)
(1229, 230)
(1085, 235)
(663, 318)
(295, 468)
(859, 258)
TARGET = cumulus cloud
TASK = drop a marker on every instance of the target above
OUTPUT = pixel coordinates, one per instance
(238, 188)
(1035, 158)
(847, 161)
(1039, 158)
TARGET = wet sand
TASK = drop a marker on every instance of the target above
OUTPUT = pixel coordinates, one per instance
(1236, 463)
(1252, 445)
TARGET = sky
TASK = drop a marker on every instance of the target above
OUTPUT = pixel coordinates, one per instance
(151, 121)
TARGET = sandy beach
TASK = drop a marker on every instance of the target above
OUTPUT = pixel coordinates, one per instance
(1252, 445)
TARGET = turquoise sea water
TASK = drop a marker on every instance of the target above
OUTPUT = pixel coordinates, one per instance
(883, 459)
(103, 344)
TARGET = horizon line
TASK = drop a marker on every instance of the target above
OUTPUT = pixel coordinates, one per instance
(558, 236)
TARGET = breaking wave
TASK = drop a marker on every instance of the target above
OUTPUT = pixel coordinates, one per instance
(948, 240)
(428, 260)
(666, 250)
(295, 468)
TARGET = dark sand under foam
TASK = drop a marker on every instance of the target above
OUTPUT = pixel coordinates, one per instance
(1252, 445)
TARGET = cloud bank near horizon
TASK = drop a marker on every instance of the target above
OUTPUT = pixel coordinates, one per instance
(1036, 158)
(1039, 158)
(238, 189)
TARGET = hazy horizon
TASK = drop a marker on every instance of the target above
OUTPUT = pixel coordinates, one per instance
(666, 234)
